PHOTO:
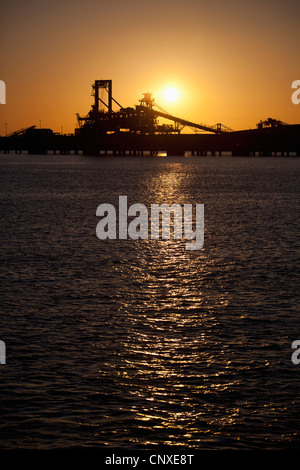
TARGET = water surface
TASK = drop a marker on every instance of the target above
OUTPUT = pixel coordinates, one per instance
(133, 344)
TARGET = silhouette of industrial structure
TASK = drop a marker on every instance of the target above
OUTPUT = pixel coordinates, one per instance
(137, 131)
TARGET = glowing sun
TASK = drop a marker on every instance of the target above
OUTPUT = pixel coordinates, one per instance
(170, 94)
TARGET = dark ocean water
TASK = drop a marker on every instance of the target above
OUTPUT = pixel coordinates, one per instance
(134, 344)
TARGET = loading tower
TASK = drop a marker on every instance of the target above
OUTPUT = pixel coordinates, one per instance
(143, 119)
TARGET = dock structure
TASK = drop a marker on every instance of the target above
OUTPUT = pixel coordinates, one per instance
(137, 131)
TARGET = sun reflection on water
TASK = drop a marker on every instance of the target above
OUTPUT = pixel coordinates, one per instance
(171, 361)
(171, 355)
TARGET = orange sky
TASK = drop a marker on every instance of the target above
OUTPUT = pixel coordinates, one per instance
(233, 61)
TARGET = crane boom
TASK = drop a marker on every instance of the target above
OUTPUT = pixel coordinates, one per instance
(186, 123)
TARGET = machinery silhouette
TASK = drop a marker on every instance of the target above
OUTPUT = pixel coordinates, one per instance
(137, 131)
(139, 120)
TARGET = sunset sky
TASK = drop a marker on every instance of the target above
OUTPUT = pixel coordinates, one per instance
(231, 61)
